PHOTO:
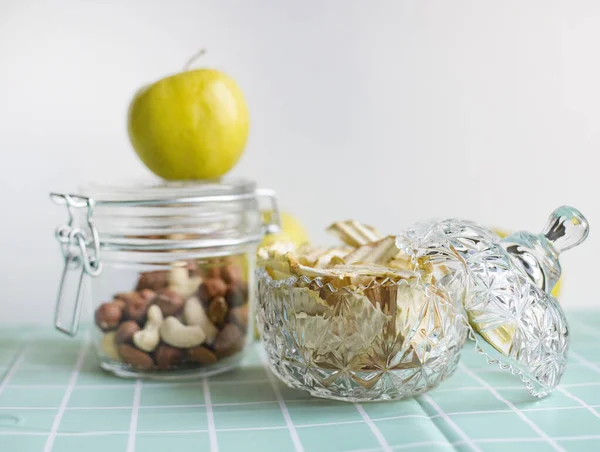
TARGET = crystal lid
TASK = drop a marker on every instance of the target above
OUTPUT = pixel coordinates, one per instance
(514, 320)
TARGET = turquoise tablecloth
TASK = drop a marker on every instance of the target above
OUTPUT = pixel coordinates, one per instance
(53, 397)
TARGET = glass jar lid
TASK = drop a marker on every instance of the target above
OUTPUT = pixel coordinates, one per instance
(176, 215)
(507, 283)
(157, 190)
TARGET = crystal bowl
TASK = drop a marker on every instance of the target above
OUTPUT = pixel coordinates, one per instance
(388, 340)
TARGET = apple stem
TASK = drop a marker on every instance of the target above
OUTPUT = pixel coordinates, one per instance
(193, 59)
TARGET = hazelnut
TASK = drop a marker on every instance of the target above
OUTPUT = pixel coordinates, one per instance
(213, 272)
(201, 355)
(239, 316)
(126, 331)
(169, 301)
(108, 316)
(168, 357)
(217, 311)
(211, 288)
(234, 297)
(135, 305)
(242, 286)
(154, 280)
(229, 341)
(135, 357)
(231, 273)
(147, 294)
(120, 303)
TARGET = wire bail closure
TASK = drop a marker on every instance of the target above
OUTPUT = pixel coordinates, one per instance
(81, 253)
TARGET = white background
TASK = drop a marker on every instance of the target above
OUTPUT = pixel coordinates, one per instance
(384, 111)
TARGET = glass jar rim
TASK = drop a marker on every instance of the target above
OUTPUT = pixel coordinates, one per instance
(163, 215)
(160, 192)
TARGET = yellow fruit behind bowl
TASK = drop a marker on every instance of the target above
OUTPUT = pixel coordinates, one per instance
(191, 125)
(292, 231)
(556, 290)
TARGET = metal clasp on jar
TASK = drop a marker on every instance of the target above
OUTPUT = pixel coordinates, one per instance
(81, 253)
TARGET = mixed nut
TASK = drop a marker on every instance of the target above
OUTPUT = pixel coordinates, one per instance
(192, 315)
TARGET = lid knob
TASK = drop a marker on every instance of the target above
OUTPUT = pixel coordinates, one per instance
(566, 228)
(537, 254)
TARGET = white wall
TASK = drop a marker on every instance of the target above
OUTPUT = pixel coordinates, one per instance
(386, 111)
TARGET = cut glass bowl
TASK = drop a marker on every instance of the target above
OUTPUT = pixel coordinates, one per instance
(387, 341)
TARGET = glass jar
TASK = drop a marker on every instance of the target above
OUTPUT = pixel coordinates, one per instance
(172, 274)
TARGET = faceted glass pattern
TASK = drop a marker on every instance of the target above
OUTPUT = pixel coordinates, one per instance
(393, 340)
(515, 323)
(385, 341)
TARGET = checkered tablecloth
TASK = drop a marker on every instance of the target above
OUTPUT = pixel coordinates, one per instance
(53, 397)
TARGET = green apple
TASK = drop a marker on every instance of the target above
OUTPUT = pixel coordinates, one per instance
(191, 125)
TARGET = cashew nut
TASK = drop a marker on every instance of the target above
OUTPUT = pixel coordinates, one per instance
(108, 346)
(180, 282)
(176, 334)
(194, 314)
(148, 338)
